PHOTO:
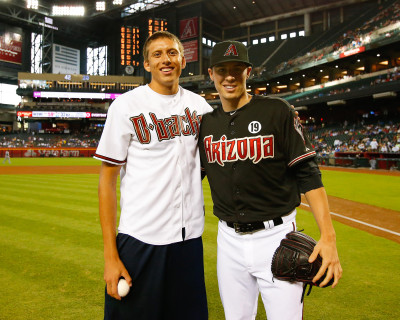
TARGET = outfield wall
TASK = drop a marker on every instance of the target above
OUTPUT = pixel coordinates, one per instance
(47, 152)
(387, 161)
(340, 160)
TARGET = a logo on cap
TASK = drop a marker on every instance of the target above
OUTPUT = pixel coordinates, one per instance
(231, 51)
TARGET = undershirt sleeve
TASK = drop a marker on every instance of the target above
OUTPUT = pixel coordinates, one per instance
(308, 176)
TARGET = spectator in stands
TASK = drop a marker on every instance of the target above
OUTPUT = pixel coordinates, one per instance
(384, 148)
(396, 148)
(374, 145)
(337, 143)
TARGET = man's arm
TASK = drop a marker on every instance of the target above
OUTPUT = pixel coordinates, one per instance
(113, 266)
(326, 246)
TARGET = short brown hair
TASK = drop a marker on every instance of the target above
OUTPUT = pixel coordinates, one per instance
(159, 35)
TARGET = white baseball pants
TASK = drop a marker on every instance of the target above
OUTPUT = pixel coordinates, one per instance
(244, 270)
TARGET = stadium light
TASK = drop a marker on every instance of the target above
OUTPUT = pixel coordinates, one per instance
(388, 94)
(100, 6)
(68, 11)
(32, 4)
(143, 5)
(336, 103)
(117, 2)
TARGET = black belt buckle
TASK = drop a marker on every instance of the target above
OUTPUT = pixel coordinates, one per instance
(248, 227)
(236, 226)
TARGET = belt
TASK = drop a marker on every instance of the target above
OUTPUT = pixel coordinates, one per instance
(253, 226)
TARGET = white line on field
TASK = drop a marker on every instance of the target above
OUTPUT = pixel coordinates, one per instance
(358, 221)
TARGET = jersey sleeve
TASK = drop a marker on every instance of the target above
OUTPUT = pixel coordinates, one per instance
(298, 145)
(207, 107)
(308, 175)
(114, 141)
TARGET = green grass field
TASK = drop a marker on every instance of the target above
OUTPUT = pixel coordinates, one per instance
(378, 190)
(45, 162)
(51, 264)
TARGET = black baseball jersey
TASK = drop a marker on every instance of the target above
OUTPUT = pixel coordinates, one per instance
(254, 158)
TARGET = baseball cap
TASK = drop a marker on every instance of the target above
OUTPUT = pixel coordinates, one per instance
(229, 51)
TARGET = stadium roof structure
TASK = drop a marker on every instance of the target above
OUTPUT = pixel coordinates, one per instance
(90, 27)
(228, 13)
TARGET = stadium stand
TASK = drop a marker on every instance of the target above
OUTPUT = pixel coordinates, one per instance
(346, 35)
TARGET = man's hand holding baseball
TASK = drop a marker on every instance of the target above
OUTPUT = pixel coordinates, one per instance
(114, 269)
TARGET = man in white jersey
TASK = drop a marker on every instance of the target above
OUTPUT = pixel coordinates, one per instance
(7, 157)
(150, 139)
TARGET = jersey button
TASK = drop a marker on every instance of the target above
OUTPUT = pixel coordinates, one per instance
(234, 166)
(241, 214)
(232, 123)
(232, 132)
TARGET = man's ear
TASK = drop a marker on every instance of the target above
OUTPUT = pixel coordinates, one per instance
(146, 65)
(210, 73)
(248, 72)
(183, 62)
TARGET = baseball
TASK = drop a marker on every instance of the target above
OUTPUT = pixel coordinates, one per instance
(123, 287)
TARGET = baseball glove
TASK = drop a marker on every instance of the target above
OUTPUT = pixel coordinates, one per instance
(290, 261)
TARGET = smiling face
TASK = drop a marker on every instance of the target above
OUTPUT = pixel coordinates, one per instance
(165, 63)
(230, 81)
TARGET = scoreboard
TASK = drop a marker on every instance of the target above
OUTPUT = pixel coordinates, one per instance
(129, 46)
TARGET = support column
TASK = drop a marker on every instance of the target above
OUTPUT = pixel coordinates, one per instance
(200, 45)
(307, 24)
(47, 50)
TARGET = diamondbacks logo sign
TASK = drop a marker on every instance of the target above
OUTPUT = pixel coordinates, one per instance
(188, 28)
(231, 51)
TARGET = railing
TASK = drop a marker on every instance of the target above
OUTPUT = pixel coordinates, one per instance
(360, 162)
(47, 152)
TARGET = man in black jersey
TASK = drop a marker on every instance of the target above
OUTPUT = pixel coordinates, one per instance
(258, 161)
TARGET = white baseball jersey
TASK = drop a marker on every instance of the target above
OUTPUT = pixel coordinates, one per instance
(154, 138)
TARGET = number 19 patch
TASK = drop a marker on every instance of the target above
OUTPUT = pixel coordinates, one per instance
(254, 127)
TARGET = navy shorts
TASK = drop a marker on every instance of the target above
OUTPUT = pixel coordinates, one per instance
(167, 282)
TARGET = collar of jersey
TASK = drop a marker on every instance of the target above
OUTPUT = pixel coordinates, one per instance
(232, 113)
(165, 96)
